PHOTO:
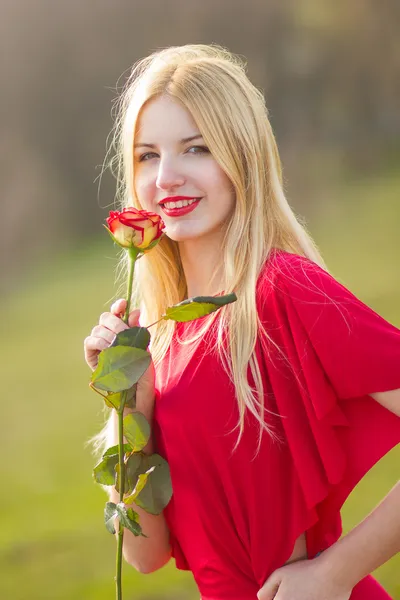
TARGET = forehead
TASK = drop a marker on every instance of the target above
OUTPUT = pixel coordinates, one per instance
(164, 117)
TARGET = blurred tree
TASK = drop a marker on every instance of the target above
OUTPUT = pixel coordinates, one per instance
(328, 69)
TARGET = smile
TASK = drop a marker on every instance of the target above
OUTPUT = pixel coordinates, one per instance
(181, 207)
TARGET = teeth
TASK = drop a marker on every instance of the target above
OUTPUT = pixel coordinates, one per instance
(179, 204)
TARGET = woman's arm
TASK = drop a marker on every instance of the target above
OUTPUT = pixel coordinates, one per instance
(336, 571)
(390, 400)
(377, 538)
(151, 553)
(368, 546)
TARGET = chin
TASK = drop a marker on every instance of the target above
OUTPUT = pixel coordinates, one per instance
(177, 235)
(179, 238)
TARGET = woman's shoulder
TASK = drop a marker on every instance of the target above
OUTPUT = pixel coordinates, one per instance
(295, 284)
(285, 271)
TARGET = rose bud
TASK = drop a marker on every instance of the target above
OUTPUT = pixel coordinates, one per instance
(133, 228)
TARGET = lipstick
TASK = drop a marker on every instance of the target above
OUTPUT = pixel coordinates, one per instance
(184, 210)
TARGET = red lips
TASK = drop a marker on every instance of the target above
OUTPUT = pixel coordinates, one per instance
(184, 210)
(176, 198)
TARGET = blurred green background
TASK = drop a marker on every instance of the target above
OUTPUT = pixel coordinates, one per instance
(328, 70)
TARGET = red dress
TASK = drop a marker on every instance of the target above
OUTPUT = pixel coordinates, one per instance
(234, 517)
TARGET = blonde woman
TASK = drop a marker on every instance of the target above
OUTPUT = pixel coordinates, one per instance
(270, 411)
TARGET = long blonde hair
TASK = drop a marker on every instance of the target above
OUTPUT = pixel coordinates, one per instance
(230, 112)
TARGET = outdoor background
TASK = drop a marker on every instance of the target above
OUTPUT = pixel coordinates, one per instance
(330, 73)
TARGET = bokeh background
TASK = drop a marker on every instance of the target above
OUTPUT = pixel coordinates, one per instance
(330, 73)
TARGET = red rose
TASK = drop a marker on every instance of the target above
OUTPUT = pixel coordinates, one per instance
(133, 228)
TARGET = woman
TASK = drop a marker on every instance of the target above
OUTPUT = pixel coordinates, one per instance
(272, 409)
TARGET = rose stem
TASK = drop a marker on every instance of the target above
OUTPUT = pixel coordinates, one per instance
(132, 255)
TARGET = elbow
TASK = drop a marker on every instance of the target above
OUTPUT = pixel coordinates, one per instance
(148, 565)
(152, 567)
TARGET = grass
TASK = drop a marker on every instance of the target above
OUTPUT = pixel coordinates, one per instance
(53, 544)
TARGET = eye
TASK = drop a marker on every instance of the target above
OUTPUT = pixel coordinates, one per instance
(145, 156)
(197, 149)
(203, 149)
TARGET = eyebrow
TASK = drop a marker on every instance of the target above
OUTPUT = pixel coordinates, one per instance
(182, 141)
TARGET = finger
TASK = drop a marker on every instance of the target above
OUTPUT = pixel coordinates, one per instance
(102, 332)
(92, 348)
(134, 318)
(112, 322)
(270, 588)
(95, 344)
(270, 594)
(118, 307)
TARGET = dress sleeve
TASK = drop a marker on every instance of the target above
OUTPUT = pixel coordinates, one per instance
(359, 350)
(334, 351)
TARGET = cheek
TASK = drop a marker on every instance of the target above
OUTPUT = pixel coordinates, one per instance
(223, 187)
(144, 187)
(217, 177)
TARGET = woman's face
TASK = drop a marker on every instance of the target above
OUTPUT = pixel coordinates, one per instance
(172, 160)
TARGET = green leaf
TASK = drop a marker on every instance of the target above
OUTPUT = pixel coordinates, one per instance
(104, 471)
(141, 482)
(136, 430)
(114, 400)
(217, 300)
(129, 519)
(195, 308)
(153, 492)
(117, 481)
(133, 467)
(113, 450)
(119, 367)
(110, 512)
(135, 337)
(130, 401)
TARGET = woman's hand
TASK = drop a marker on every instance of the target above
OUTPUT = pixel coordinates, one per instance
(303, 580)
(103, 335)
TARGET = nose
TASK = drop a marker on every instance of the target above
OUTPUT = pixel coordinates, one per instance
(168, 176)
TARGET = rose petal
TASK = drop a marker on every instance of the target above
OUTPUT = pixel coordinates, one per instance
(133, 227)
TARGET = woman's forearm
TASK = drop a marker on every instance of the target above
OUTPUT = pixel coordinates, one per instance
(149, 553)
(146, 554)
(369, 545)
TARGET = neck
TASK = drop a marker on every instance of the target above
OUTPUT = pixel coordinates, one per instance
(200, 259)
